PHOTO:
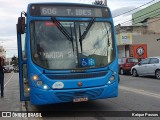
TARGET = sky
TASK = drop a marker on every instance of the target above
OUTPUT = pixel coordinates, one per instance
(10, 11)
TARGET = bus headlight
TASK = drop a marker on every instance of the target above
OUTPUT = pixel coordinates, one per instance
(41, 85)
(39, 82)
(109, 82)
(35, 77)
(112, 78)
(27, 89)
(45, 87)
(115, 73)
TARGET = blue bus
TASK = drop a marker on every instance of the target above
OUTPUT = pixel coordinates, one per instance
(67, 53)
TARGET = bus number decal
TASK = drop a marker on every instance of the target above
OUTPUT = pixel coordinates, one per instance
(48, 11)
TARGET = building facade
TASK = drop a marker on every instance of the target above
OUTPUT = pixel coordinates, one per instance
(137, 36)
(145, 30)
(141, 17)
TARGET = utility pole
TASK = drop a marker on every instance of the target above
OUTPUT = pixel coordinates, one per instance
(105, 2)
(99, 2)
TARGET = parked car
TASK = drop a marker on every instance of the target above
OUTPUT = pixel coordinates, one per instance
(149, 66)
(7, 69)
(125, 64)
(16, 69)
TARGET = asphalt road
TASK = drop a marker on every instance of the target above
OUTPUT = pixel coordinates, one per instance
(135, 94)
(147, 83)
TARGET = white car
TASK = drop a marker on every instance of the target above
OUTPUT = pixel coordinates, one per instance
(148, 66)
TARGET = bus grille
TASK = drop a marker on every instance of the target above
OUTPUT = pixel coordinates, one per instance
(77, 76)
(69, 96)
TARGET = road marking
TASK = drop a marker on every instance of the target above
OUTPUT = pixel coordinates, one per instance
(140, 91)
(9, 80)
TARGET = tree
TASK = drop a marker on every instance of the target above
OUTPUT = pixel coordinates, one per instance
(14, 61)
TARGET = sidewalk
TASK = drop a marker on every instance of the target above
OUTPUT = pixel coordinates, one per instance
(11, 100)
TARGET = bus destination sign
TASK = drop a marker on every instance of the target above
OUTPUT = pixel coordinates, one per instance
(68, 11)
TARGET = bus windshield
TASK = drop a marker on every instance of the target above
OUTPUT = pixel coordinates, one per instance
(71, 44)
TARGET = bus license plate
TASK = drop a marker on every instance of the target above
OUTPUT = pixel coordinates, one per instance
(80, 99)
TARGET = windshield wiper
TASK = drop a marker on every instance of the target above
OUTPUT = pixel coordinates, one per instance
(81, 37)
(88, 27)
(108, 38)
(72, 38)
(108, 42)
(61, 28)
(64, 31)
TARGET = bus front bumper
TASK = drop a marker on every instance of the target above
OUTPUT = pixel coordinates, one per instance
(41, 97)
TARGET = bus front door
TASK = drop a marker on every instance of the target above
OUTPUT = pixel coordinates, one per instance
(21, 43)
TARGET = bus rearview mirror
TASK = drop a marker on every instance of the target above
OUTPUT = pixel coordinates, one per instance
(21, 25)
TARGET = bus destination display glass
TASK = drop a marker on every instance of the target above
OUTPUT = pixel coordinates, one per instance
(68, 11)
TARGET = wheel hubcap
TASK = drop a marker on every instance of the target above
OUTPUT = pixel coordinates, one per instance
(121, 71)
(158, 74)
(134, 72)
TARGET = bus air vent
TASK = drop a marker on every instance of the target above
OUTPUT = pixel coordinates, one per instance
(77, 76)
(69, 96)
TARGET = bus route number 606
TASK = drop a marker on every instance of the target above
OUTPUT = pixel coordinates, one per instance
(48, 11)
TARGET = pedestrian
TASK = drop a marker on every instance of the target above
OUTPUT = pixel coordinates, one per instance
(2, 75)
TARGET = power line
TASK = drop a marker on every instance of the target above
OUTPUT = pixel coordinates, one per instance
(139, 22)
(134, 19)
(146, 23)
(90, 1)
(134, 9)
(145, 20)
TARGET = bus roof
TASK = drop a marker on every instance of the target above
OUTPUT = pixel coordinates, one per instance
(71, 4)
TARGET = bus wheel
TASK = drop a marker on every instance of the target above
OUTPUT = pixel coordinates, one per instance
(157, 74)
(134, 73)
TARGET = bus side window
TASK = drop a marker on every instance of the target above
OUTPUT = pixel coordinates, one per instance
(23, 44)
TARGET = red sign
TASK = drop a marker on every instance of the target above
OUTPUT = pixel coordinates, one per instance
(138, 51)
